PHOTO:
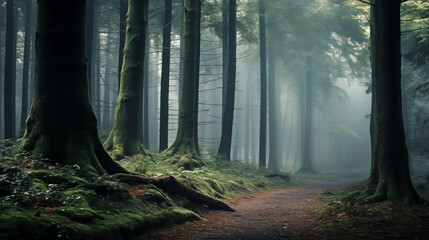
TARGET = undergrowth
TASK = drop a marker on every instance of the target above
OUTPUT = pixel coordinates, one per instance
(39, 200)
(345, 213)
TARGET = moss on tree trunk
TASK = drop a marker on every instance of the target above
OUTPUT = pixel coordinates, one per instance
(124, 137)
(183, 150)
(62, 125)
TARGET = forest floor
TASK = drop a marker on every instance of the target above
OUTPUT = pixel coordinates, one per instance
(301, 212)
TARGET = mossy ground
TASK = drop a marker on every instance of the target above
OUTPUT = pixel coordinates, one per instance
(41, 201)
(345, 213)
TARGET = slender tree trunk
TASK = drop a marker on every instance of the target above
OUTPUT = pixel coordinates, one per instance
(123, 9)
(146, 94)
(10, 71)
(26, 65)
(274, 162)
(373, 179)
(165, 76)
(33, 57)
(97, 76)
(307, 137)
(225, 47)
(197, 75)
(62, 125)
(89, 36)
(183, 150)
(391, 153)
(124, 137)
(182, 15)
(247, 123)
(224, 151)
(107, 72)
(263, 69)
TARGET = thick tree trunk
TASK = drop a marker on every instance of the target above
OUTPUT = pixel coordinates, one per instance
(165, 76)
(62, 125)
(263, 69)
(274, 161)
(10, 72)
(183, 150)
(123, 9)
(224, 151)
(26, 64)
(306, 141)
(124, 137)
(394, 181)
(225, 39)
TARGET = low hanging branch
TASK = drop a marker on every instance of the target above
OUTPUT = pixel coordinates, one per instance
(171, 185)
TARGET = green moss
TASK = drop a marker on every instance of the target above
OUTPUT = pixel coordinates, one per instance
(78, 214)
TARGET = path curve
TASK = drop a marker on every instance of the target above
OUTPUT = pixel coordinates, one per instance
(273, 214)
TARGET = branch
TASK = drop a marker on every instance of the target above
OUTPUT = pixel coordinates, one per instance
(366, 2)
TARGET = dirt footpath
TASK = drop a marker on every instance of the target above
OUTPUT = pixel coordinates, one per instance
(273, 214)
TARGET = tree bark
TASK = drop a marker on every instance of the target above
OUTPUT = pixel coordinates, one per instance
(263, 69)
(183, 151)
(165, 76)
(306, 141)
(124, 137)
(10, 72)
(224, 151)
(62, 126)
(394, 182)
(26, 64)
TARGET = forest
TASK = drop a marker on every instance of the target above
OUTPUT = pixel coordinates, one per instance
(214, 119)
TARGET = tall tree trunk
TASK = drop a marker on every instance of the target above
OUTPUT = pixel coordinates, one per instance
(26, 65)
(10, 72)
(165, 76)
(197, 75)
(33, 56)
(62, 125)
(273, 163)
(182, 15)
(97, 76)
(373, 179)
(224, 151)
(107, 72)
(391, 153)
(247, 119)
(183, 151)
(89, 36)
(306, 141)
(225, 47)
(124, 137)
(123, 9)
(146, 94)
(263, 71)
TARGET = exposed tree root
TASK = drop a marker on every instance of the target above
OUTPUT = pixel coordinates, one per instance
(171, 185)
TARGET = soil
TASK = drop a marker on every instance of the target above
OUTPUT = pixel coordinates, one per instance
(273, 214)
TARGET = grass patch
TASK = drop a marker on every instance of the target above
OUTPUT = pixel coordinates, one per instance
(41, 201)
